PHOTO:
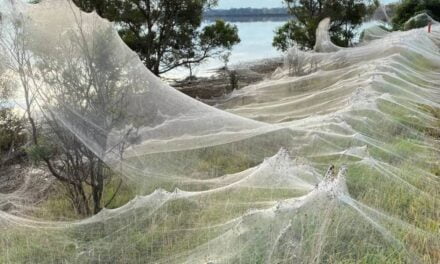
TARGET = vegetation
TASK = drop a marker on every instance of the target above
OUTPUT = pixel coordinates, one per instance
(58, 205)
(12, 127)
(345, 15)
(409, 8)
(77, 87)
(81, 89)
(254, 12)
(166, 34)
(12, 135)
(390, 216)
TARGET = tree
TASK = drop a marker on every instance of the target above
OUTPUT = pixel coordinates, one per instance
(409, 8)
(12, 136)
(84, 78)
(166, 34)
(346, 16)
(90, 83)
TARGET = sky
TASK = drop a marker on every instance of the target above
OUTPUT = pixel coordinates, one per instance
(225, 4)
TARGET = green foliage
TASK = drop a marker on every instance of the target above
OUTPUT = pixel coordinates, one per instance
(417, 22)
(38, 153)
(409, 8)
(219, 34)
(346, 16)
(58, 205)
(290, 33)
(233, 80)
(12, 133)
(117, 192)
(166, 34)
(219, 162)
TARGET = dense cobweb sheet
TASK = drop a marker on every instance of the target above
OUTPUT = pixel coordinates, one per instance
(334, 159)
(323, 41)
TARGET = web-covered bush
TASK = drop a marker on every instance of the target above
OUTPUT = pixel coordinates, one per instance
(12, 133)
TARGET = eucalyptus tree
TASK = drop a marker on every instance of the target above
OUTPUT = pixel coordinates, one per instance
(166, 34)
(346, 16)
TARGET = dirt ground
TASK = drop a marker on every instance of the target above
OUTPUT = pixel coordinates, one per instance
(220, 83)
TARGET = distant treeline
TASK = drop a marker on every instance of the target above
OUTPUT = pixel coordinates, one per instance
(247, 14)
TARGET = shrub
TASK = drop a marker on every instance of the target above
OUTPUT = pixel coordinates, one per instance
(410, 8)
(12, 135)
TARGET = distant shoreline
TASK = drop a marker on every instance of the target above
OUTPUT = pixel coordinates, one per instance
(247, 18)
(247, 14)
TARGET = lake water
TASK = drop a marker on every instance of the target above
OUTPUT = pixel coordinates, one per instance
(256, 43)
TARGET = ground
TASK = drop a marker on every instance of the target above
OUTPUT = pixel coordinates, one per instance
(220, 83)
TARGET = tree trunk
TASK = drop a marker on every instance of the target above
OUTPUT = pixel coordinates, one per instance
(98, 187)
(79, 199)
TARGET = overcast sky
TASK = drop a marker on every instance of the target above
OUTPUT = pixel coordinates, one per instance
(225, 4)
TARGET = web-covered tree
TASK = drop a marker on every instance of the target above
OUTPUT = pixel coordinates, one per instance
(68, 84)
(409, 8)
(166, 34)
(12, 129)
(89, 79)
(346, 16)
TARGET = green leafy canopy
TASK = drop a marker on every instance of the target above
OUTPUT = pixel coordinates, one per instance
(166, 34)
(409, 8)
(346, 16)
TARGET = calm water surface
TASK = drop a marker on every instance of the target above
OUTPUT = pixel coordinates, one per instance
(256, 43)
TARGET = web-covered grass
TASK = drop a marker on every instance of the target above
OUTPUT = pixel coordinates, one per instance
(338, 164)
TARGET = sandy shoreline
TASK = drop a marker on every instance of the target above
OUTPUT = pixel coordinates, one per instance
(222, 82)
